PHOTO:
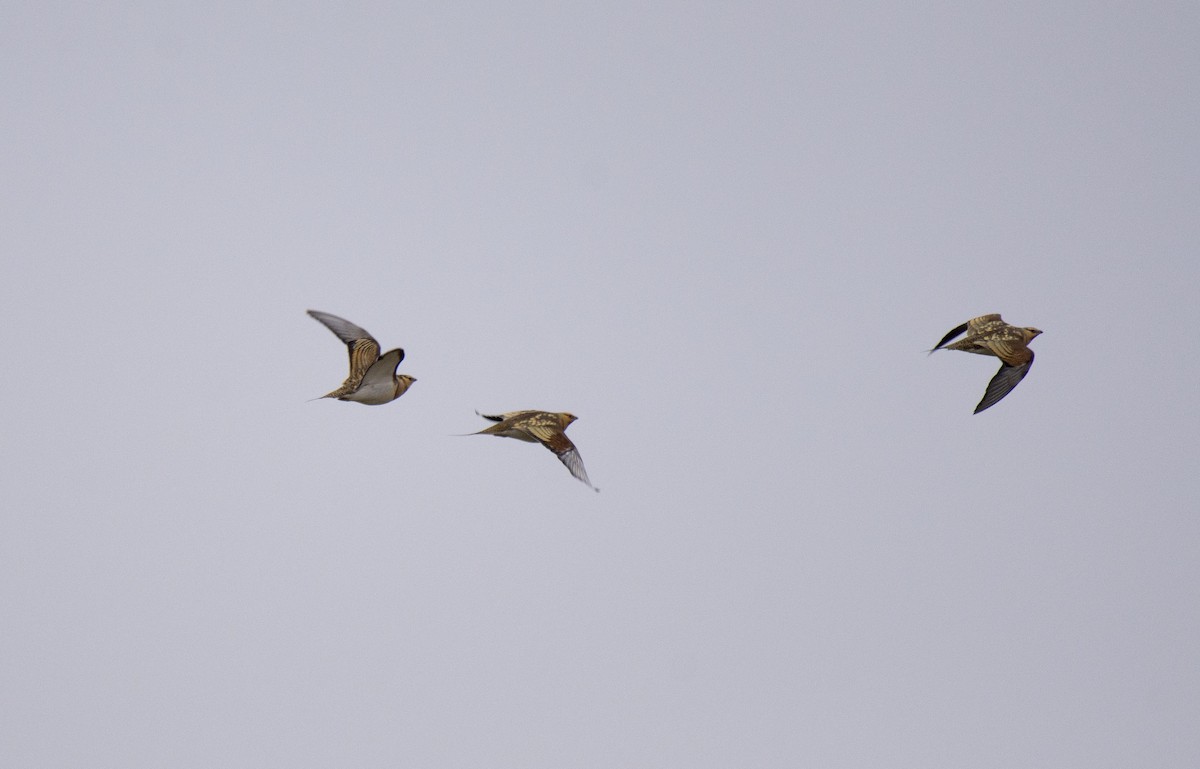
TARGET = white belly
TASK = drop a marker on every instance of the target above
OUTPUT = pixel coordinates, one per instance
(373, 394)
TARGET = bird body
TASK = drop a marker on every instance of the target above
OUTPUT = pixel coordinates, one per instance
(373, 379)
(544, 427)
(990, 335)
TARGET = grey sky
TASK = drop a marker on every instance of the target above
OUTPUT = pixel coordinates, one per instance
(723, 236)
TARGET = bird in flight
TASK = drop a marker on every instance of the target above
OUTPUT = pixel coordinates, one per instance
(544, 427)
(373, 379)
(989, 335)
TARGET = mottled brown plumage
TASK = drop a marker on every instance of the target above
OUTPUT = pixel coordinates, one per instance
(990, 335)
(544, 427)
(373, 379)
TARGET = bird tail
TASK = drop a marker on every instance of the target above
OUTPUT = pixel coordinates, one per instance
(320, 397)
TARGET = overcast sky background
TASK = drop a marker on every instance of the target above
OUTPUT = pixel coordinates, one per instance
(723, 235)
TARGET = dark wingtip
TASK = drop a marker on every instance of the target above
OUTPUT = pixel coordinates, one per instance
(953, 333)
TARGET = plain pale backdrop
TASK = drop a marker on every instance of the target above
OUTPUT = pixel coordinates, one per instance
(723, 235)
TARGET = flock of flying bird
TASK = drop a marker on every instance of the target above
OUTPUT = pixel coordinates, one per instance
(373, 379)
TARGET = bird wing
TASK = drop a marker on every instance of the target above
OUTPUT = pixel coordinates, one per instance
(509, 425)
(504, 416)
(384, 369)
(364, 350)
(985, 323)
(1009, 345)
(566, 452)
(342, 328)
(543, 426)
(364, 353)
(953, 333)
(1003, 382)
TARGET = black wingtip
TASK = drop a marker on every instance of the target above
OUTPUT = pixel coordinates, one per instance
(953, 333)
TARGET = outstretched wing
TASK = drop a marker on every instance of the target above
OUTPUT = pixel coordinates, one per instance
(364, 350)
(384, 370)
(955, 332)
(566, 452)
(344, 329)
(1003, 383)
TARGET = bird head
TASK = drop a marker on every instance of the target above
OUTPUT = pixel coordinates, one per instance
(1031, 333)
(565, 419)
